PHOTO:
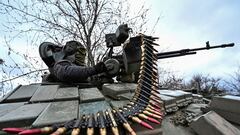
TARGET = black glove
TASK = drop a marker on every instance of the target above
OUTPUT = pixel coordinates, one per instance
(100, 67)
(109, 66)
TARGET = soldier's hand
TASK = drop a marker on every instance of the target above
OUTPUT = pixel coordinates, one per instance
(112, 66)
(109, 66)
(100, 67)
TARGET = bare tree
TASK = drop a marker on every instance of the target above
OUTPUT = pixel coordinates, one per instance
(61, 20)
(233, 84)
(1, 84)
(82, 20)
(205, 84)
(1, 61)
(170, 80)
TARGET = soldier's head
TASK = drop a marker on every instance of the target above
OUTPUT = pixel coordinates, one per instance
(75, 52)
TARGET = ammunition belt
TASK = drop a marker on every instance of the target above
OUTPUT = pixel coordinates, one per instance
(145, 105)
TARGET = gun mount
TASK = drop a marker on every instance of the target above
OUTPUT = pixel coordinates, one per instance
(129, 61)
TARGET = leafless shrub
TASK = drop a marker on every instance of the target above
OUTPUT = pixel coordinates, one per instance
(233, 84)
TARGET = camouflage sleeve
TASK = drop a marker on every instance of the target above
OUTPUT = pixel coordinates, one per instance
(65, 71)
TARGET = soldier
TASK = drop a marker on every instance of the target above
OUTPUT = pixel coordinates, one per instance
(72, 67)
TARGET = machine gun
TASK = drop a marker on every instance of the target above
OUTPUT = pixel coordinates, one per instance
(184, 52)
(129, 61)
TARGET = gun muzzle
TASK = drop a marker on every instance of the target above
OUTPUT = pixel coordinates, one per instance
(228, 45)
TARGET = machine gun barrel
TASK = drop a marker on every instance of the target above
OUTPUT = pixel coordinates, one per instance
(184, 52)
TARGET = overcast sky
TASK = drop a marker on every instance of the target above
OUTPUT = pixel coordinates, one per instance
(188, 24)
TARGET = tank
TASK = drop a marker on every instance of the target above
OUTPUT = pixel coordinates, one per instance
(44, 104)
(131, 104)
(47, 104)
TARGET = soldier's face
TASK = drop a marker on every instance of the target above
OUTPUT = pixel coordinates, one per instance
(80, 56)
